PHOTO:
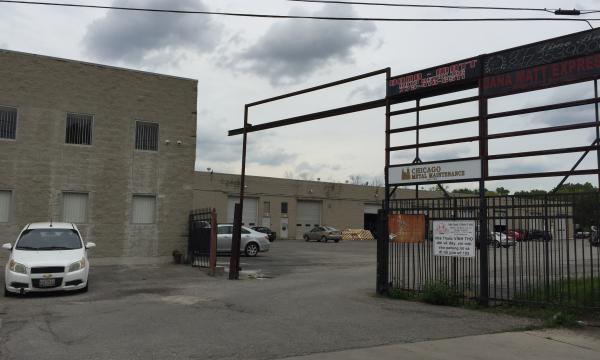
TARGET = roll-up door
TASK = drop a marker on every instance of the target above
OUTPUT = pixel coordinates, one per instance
(249, 213)
(308, 215)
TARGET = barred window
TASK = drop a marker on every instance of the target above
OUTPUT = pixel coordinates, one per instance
(8, 123)
(146, 136)
(79, 129)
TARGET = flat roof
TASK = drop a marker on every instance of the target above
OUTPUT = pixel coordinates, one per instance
(97, 65)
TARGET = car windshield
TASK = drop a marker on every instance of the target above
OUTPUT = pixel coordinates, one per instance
(49, 239)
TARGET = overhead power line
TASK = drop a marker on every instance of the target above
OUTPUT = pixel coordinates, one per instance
(275, 16)
(558, 11)
(456, 7)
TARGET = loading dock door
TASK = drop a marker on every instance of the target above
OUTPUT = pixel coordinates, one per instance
(249, 213)
(370, 217)
(308, 215)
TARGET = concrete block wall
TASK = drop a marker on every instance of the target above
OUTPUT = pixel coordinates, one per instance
(38, 166)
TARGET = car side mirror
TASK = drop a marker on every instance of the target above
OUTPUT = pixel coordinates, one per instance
(7, 246)
(90, 245)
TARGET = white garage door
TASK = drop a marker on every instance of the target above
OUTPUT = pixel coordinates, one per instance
(308, 215)
(249, 213)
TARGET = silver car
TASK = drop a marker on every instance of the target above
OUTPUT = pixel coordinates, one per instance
(323, 233)
(251, 244)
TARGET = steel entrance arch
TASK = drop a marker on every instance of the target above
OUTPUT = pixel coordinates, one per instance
(248, 128)
(555, 62)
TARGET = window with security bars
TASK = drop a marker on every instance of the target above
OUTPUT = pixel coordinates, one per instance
(79, 129)
(8, 123)
(146, 136)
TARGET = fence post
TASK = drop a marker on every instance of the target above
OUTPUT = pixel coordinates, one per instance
(546, 241)
(234, 260)
(213, 242)
(383, 241)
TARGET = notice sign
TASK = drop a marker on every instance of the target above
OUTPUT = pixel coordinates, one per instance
(454, 238)
(439, 172)
(406, 229)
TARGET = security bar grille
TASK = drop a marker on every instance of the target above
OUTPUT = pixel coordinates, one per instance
(146, 136)
(79, 129)
(8, 123)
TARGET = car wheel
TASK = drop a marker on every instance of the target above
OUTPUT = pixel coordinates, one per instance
(497, 244)
(305, 237)
(86, 288)
(7, 293)
(323, 239)
(252, 249)
(337, 240)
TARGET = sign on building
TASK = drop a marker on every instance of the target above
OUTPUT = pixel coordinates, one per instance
(406, 229)
(454, 238)
(437, 172)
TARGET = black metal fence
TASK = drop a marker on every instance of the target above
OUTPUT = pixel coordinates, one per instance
(542, 249)
(199, 237)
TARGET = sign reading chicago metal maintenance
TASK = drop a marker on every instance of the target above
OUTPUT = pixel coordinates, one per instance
(545, 52)
(454, 238)
(429, 78)
(438, 172)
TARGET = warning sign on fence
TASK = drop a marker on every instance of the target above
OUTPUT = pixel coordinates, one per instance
(454, 238)
(407, 229)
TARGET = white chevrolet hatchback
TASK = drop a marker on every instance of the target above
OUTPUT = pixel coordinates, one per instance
(47, 257)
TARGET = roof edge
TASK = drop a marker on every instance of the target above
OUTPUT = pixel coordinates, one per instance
(98, 65)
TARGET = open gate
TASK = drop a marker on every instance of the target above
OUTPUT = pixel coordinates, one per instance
(528, 269)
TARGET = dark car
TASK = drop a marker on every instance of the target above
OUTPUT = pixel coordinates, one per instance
(544, 235)
(266, 230)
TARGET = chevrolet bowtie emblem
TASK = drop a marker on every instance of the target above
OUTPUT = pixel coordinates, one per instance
(47, 276)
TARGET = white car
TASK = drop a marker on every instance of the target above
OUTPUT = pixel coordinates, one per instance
(251, 244)
(47, 257)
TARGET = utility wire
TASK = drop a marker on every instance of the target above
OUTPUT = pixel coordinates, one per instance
(457, 7)
(273, 16)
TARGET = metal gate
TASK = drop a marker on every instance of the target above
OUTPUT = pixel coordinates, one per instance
(536, 256)
(199, 237)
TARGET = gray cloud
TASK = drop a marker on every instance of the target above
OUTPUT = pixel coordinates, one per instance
(365, 92)
(291, 50)
(214, 146)
(136, 37)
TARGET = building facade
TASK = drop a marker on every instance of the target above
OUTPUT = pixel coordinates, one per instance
(293, 207)
(109, 149)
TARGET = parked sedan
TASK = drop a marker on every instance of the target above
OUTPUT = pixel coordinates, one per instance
(323, 233)
(252, 242)
(499, 239)
(265, 230)
(47, 257)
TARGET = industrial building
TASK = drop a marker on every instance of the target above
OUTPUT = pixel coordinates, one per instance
(109, 149)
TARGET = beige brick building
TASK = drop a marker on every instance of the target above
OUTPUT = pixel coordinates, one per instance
(110, 149)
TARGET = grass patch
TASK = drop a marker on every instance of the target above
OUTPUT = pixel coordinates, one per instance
(436, 293)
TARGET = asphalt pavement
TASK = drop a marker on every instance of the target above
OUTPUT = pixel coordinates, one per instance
(298, 299)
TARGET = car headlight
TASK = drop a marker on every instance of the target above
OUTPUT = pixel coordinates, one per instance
(77, 265)
(17, 267)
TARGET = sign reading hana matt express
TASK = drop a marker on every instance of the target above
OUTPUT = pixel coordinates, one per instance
(556, 61)
(438, 172)
(454, 238)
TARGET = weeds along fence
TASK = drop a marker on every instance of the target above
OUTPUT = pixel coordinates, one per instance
(542, 249)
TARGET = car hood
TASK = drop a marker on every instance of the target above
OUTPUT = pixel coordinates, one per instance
(47, 258)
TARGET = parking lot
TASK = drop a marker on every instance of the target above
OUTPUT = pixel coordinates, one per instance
(299, 298)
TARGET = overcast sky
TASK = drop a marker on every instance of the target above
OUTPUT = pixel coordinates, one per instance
(241, 60)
